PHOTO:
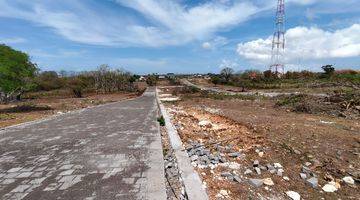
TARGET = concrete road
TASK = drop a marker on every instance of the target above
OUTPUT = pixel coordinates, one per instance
(106, 152)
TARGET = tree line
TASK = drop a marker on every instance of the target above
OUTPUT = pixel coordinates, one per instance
(19, 75)
(258, 79)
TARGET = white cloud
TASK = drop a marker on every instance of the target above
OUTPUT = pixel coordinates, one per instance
(206, 45)
(194, 22)
(156, 22)
(215, 43)
(307, 43)
(167, 22)
(61, 53)
(228, 63)
(13, 40)
(137, 62)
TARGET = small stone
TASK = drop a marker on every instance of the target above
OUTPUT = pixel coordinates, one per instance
(247, 171)
(268, 181)
(270, 167)
(200, 152)
(234, 165)
(280, 172)
(168, 165)
(313, 182)
(237, 179)
(258, 171)
(293, 195)
(234, 155)
(307, 164)
(349, 180)
(261, 154)
(272, 171)
(194, 157)
(227, 175)
(278, 165)
(297, 152)
(286, 178)
(303, 175)
(256, 182)
(224, 193)
(329, 188)
(306, 170)
(256, 163)
(263, 168)
(205, 123)
(222, 159)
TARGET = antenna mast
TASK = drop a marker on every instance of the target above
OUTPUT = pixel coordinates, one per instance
(278, 43)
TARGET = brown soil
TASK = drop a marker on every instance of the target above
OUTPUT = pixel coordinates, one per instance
(34, 109)
(330, 144)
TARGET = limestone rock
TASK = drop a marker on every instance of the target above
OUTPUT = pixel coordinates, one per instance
(329, 188)
(268, 181)
(256, 182)
(348, 180)
(293, 195)
(313, 182)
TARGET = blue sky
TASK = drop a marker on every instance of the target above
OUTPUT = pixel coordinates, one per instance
(181, 36)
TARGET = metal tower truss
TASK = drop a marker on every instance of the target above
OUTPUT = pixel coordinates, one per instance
(278, 42)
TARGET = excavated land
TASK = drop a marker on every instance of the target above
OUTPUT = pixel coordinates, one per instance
(252, 149)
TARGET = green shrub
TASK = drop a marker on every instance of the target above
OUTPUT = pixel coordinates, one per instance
(161, 121)
(290, 100)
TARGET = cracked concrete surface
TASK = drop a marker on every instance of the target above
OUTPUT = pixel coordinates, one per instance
(107, 152)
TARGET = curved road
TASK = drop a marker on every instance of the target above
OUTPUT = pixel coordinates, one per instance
(111, 151)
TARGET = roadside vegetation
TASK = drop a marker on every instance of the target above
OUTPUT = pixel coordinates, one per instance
(331, 92)
(27, 93)
(254, 79)
(19, 77)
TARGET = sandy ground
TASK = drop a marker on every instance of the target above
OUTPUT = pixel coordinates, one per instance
(329, 147)
(33, 109)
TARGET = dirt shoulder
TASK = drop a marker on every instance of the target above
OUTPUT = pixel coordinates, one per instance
(34, 109)
(321, 147)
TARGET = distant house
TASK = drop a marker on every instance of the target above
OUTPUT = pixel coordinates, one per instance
(162, 77)
(142, 78)
(170, 75)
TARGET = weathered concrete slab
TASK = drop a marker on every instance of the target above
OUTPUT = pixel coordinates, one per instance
(191, 179)
(107, 152)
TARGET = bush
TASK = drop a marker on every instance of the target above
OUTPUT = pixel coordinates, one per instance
(185, 90)
(215, 80)
(77, 85)
(161, 121)
(290, 100)
(49, 80)
(151, 80)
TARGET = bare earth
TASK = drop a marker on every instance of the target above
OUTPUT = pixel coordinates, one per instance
(330, 145)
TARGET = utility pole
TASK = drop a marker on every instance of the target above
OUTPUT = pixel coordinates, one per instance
(278, 42)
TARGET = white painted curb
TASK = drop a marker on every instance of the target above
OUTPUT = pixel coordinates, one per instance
(191, 179)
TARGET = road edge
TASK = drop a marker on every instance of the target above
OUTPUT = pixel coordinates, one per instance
(156, 188)
(55, 116)
(191, 179)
